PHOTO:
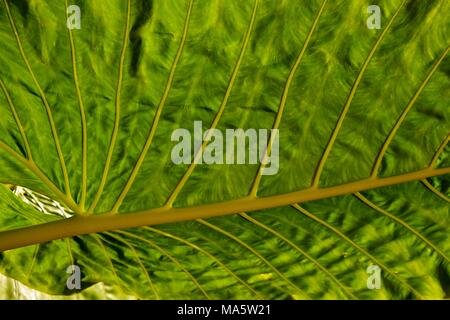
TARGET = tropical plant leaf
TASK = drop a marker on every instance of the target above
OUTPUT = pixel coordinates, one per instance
(86, 123)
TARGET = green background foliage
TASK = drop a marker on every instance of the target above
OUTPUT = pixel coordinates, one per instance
(77, 107)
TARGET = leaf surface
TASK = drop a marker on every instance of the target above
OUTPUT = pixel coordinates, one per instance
(87, 117)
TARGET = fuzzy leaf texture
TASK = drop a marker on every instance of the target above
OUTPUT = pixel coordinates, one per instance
(86, 117)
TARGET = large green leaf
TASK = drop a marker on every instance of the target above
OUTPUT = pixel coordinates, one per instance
(86, 123)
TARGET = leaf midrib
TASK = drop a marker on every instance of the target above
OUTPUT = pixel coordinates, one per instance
(79, 225)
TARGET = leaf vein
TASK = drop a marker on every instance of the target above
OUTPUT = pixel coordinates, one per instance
(337, 128)
(115, 132)
(377, 208)
(174, 194)
(405, 112)
(172, 258)
(357, 247)
(301, 251)
(257, 179)
(257, 254)
(44, 101)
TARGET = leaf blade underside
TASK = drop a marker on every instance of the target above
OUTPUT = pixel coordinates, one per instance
(87, 118)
